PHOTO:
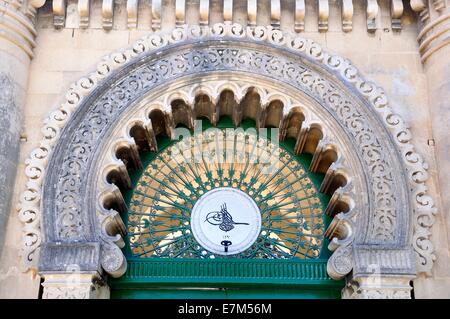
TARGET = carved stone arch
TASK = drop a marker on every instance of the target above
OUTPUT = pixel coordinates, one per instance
(387, 210)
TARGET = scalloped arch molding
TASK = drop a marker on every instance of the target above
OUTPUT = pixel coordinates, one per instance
(392, 230)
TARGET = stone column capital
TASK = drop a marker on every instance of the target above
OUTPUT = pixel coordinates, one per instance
(434, 32)
(17, 23)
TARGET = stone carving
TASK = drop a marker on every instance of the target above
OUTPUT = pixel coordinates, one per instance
(433, 34)
(71, 225)
(113, 261)
(320, 12)
(370, 259)
(74, 285)
(439, 5)
(132, 13)
(84, 11)
(17, 24)
(396, 14)
(387, 223)
(71, 292)
(213, 88)
(59, 13)
(340, 263)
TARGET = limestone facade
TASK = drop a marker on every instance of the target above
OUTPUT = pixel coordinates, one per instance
(401, 46)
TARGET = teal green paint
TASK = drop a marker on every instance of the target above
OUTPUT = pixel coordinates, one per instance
(142, 281)
(226, 271)
(225, 293)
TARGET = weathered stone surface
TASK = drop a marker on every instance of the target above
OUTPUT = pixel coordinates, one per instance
(61, 258)
(387, 227)
(9, 148)
(390, 59)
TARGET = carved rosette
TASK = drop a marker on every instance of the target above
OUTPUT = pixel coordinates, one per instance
(386, 225)
(113, 261)
(340, 264)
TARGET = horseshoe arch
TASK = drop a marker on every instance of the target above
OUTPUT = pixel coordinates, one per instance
(379, 204)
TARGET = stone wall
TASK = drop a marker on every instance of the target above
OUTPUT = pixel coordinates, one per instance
(62, 56)
(16, 43)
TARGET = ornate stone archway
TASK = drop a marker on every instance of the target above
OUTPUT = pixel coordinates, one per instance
(384, 229)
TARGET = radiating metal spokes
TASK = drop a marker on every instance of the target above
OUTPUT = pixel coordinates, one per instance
(161, 204)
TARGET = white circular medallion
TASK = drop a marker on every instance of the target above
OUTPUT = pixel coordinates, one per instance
(225, 221)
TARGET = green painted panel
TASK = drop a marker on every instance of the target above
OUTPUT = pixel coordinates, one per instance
(224, 272)
(220, 293)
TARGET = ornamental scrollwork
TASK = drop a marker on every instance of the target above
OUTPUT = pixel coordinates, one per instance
(200, 52)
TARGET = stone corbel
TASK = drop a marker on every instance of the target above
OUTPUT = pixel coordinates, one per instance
(299, 19)
(107, 14)
(113, 261)
(396, 14)
(204, 12)
(417, 5)
(340, 264)
(347, 15)
(336, 171)
(324, 12)
(340, 195)
(156, 14)
(372, 13)
(132, 13)
(59, 13)
(84, 12)
(323, 146)
(340, 233)
(275, 13)
(252, 10)
(180, 12)
(228, 10)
